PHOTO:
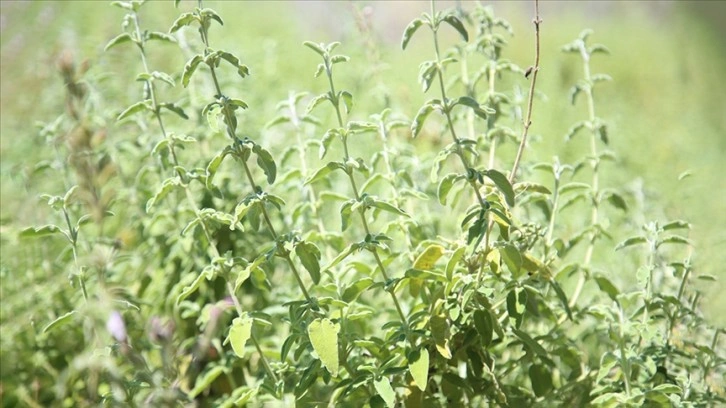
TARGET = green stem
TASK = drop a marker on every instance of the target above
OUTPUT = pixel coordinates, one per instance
(356, 195)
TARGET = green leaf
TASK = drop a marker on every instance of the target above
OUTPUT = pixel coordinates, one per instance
(454, 21)
(209, 13)
(428, 257)
(324, 171)
(173, 108)
(503, 184)
(674, 239)
(512, 257)
(385, 206)
(454, 260)
(440, 332)
(239, 333)
(59, 321)
(213, 166)
(119, 39)
(409, 31)
(347, 100)
(323, 335)
(420, 118)
(205, 381)
(352, 292)
(445, 185)
(339, 58)
(318, 48)
(159, 36)
(191, 288)
(484, 325)
(35, 232)
(418, 366)
(531, 343)
(617, 201)
(189, 69)
(678, 224)
(630, 242)
(135, 108)
(347, 251)
(562, 297)
(317, 101)
(427, 74)
(573, 187)
(531, 187)
(166, 187)
(183, 20)
(606, 286)
(309, 255)
(385, 391)
(541, 378)
(266, 163)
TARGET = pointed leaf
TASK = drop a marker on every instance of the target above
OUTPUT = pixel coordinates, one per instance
(135, 108)
(440, 332)
(324, 338)
(503, 184)
(35, 232)
(385, 391)
(239, 333)
(420, 118)
(181, 21)
(454, 21)
(418, 366)
(409, 31)
(309, 255)
(119, 39)
(59, 321)
(189, 69)
(428, 257)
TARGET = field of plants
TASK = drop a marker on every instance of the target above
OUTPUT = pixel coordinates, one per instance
(345, 204)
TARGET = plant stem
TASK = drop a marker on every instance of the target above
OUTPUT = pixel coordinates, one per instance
(356, 195)
(594, 215)
(535, 70)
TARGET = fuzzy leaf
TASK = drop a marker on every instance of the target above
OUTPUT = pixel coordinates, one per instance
(420, 118)
(239, 333)
(189, 69)
(181, 21)
(630, 242)
(409, 31)
(454, 21)
(119, 39)
(385, 391)
(324, 338)
(135, 108)
(35, 232)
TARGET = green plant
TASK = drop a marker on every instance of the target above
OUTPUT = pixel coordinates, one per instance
(343, 259)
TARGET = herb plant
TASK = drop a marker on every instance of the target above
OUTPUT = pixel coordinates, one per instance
(343, 248)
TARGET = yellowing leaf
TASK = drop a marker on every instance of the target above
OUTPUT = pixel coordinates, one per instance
(428, 257)
(419, 368)
(239, 333)
(440, 331)
(324, 337)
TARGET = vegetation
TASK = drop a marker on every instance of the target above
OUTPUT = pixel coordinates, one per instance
(326, 236)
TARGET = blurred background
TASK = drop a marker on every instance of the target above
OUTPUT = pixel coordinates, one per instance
(666, 106)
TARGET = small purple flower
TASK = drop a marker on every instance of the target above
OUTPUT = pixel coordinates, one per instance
(115, 326)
